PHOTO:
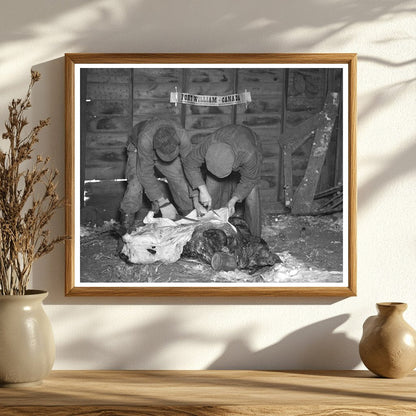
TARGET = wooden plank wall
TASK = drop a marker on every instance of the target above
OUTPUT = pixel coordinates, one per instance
(264, 116)
(119, 98)
(108, 119)
(307, 92)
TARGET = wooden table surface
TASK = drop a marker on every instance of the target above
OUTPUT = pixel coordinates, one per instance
(203, 393)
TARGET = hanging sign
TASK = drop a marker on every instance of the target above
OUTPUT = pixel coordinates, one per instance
(210, 100)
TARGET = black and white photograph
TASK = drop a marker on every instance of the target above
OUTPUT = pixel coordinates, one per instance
(202, 174)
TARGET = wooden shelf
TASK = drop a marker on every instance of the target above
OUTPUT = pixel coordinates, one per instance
(207, 393)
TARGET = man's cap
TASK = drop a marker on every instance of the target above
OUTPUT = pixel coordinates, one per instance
(166, 143)
(220, 159)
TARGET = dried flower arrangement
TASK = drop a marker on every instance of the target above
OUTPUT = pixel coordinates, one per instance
(28, 200)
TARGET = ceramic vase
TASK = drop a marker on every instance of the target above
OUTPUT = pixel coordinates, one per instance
(388, 345)
(27, 347)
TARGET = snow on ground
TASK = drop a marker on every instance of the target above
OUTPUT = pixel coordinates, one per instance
(310, 249)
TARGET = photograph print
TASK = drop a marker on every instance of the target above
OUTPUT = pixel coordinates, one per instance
(210, 175)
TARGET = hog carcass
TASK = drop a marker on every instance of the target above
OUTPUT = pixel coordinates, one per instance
(162, 239)
(166, 241)
(249, 252)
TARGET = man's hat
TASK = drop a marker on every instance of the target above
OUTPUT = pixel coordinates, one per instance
(220, 159)
(166, 143)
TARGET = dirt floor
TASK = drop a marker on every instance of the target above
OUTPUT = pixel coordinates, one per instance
(310, 248)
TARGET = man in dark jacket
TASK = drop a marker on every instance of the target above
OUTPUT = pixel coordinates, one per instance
(157, 146)
(233, 159)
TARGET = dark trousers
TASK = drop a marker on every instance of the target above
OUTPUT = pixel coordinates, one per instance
(133, 197)
(221, 191)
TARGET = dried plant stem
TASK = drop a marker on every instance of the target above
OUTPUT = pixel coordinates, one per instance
(23, 217)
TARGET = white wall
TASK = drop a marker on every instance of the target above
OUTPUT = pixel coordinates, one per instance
(199, 333)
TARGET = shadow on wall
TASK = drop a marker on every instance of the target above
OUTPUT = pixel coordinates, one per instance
(391, 170)
(249, 23)
(143, 347)
(29, 36)
(135, 26)
(131, 18)
(48, 100)
(313, 347)
(152, 345)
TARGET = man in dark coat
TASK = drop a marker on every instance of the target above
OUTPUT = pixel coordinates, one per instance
(233, 158)
(157, 146)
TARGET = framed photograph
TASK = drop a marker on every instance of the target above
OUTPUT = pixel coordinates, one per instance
(211, 174)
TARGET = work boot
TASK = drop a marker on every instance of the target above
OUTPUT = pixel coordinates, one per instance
(127, 221)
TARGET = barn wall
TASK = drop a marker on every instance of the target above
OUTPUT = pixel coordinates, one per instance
(106, 95)
(117, 99)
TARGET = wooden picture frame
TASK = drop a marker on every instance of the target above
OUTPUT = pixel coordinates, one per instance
(96, 136)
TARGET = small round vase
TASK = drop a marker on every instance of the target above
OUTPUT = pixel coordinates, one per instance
(27, 347)
(388, 345)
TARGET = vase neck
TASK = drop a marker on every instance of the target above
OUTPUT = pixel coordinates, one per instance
(390, 308)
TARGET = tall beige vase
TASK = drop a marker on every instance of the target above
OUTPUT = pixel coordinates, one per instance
(27, 346)
(388, 345)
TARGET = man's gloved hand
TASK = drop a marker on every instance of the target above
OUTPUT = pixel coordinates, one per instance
(200, 210)
(205, 197)
(231, 206)
(148, 219)
(168, 211)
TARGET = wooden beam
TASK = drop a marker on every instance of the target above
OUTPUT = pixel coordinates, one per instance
(130, 100)
(304, 194)
(281, 194)
(296, 136)
(338, 177)
(235, 91)
(328, 192)
(284, 100)
(83, 132)
(288, 175)
(184, 78)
